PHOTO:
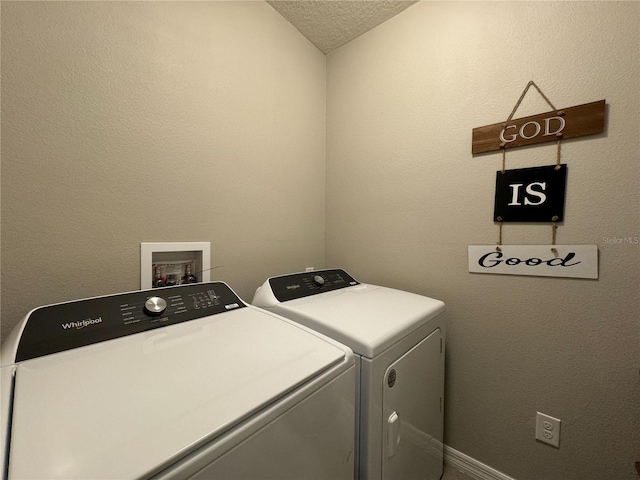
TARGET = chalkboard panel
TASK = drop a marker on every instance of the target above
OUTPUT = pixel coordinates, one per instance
(534, 194)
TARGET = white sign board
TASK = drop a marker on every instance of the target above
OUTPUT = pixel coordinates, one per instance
(574, 261)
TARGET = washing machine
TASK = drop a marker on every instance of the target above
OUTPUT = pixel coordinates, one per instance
(399, 339)
(178, 382)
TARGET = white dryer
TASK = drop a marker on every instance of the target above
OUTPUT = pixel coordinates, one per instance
(179, 382)
(398, 338)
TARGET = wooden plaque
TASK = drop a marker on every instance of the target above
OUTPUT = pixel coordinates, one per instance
(578, 121)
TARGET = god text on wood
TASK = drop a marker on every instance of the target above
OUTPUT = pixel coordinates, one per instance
(578, 121)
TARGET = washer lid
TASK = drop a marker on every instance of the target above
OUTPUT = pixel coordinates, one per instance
(129, 407)
(367, 318)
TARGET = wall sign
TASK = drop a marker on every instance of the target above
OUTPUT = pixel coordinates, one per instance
(535, 194)
(573, 261)
(587, 119)
(530, 194)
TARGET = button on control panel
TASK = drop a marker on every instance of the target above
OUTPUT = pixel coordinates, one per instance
(155, 306)
(299, 285)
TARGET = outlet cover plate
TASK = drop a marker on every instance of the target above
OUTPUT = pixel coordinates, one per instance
(548, 429)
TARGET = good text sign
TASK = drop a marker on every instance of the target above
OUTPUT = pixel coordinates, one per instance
(571, 122)
(530, 194)
(575, 261)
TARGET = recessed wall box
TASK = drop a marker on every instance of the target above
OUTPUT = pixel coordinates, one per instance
(174, 259)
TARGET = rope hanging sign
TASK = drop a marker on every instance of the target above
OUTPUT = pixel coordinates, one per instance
(535, 194)
(571, 122)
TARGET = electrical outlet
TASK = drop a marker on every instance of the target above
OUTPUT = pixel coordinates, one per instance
(309, 269)
(548, 429)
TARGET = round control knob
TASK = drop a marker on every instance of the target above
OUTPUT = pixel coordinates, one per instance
(155, 306)
(318, 280)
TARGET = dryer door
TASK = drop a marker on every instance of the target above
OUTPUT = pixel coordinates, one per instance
(412, 413)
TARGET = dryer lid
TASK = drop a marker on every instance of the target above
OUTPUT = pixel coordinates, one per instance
(129, 407)
(367, 318)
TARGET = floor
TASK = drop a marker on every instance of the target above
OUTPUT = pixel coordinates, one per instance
(451, 473)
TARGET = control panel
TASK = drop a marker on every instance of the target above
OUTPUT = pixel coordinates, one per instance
(56, 328)
(299, 285)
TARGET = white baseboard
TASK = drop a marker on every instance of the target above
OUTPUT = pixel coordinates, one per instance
(471, 466)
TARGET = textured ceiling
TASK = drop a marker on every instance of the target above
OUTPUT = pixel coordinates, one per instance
(329, 24)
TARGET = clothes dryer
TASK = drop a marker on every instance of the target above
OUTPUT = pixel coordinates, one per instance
(398, 338)
(178, 382)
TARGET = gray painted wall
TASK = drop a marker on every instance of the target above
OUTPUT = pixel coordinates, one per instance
(405, 198)
(130, 122)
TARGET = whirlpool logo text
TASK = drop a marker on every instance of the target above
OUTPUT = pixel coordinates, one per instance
(81, 323)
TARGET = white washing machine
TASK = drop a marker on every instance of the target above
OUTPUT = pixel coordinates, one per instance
(398, 338)
(178, 382)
